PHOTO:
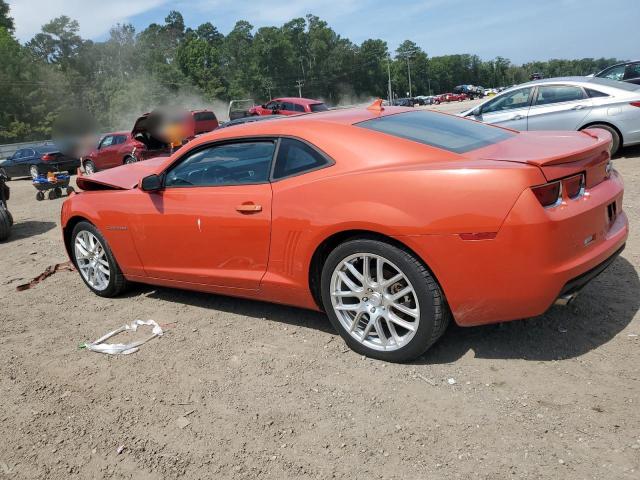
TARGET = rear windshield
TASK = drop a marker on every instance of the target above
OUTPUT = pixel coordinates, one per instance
(318, 107)
(204, 116)
(46, 149)
(455, 134)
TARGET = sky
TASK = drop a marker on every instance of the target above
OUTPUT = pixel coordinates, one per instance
(521, 30)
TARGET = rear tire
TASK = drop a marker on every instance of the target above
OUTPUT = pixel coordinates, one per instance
(5, 224)
(423, 312)
(615, 136)
(116, 283)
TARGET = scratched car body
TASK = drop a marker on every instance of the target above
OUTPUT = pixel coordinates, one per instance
(392, 221)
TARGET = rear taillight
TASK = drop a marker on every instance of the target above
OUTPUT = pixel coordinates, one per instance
(635, 104)
(549, 194)
(574, 186)
(47, 158)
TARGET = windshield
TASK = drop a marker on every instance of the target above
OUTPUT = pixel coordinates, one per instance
(450, 133)
(318, 107)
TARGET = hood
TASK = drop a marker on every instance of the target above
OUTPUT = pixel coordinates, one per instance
(124, 177)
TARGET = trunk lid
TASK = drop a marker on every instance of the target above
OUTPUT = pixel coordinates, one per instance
(557, 154)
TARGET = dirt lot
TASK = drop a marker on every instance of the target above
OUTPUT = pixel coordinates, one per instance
(272, 392)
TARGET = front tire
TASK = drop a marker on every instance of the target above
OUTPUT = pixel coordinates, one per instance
(382, 300)
(129, 160)
(95, 262)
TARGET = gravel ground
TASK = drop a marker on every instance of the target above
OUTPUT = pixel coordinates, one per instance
(242, 389)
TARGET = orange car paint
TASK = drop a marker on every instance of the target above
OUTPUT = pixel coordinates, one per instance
(421, 196)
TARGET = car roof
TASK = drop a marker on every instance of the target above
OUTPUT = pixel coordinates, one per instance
(115, 133)
(582, 81)
(298, 100)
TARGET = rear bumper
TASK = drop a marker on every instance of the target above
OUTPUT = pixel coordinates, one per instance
(536, 255)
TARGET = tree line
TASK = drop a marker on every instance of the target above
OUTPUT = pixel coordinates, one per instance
(131, 72)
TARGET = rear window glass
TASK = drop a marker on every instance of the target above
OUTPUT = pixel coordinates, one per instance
(595, 93)
(450, 133)
(204, 116)
(318, 107)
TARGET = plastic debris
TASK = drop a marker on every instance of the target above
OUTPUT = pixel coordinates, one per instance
(50, 270)
(119, 450)
(451, 381)
(123, 348)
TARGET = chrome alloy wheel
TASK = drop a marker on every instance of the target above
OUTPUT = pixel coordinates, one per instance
(92, 260)
(374, 301)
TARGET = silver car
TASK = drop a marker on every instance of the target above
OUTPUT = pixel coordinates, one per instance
(571, 103)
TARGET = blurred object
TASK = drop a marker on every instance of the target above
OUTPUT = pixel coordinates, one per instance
(240, 108)
(6, 220)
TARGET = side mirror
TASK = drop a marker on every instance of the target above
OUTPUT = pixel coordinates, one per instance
(151, 183)
(476, 112)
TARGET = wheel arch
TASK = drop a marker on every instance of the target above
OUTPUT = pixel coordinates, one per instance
(608, 124)
(327, 245)
(68, 229)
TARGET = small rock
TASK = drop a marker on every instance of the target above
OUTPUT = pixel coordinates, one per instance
(182, 422)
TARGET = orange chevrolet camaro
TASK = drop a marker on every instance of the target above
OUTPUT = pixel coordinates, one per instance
(392, 221)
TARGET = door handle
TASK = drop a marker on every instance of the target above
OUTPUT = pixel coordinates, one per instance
(249, 208)
(578, 107)
(517, 117)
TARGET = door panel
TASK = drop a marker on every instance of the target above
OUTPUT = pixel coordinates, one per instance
(558, 107)
(199, 235)
(509, 109)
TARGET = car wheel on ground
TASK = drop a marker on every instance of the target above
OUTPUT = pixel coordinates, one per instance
(5, 224)
(615, 136)
(129, 159)
(89, 167)
(4, 172)
(95, 262)
(33, 171)
(382, 300)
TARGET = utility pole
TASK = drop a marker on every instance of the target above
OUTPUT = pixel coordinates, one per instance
(299, 84)
(390, 93)
(409, 72)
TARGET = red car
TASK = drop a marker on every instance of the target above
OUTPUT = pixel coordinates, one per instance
(120, 148)
(289, 106)
(391, 220)
(453, 97)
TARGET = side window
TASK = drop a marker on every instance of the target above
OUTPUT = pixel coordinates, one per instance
(298, 108)
(509, 101)
(558, 94)
(106, 142)
(632, 71)
(118, 140)
(595, 93)
(296, 157)
(228, 164)
(204, 116)
(17, 155)
(288, 106)
(614, 73)
(28, 152)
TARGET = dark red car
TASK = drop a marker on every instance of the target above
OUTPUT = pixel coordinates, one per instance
(120, 148)
(453, 97)
(289, 106)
